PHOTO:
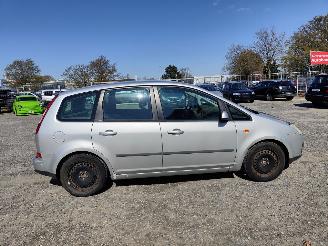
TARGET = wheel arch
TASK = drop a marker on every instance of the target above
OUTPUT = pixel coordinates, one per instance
(279, 143)
(61, 162)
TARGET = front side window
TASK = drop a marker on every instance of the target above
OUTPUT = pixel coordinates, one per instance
(80, 107)
(180, 103)
(127, 104)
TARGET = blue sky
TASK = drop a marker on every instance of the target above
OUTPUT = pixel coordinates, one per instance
(141, 36)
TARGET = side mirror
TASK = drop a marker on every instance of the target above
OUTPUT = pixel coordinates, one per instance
(224, 116)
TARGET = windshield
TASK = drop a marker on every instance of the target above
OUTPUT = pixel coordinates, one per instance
(238, 86)
(286, 83)
(320, 80)
(209, 87)
(23, 99)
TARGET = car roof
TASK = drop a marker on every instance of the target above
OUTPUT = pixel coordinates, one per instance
(109, 85)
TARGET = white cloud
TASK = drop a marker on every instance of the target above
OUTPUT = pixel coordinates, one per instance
(216, 3)
(243, 9)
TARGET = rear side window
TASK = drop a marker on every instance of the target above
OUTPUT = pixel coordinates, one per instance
(128, 104)
(80, 107)
(237, 114)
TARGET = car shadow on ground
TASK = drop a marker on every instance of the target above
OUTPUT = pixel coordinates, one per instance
(310, 105)
(173, 179)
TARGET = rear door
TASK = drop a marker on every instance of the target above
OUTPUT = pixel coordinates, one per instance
(193, 137)
(126, 130)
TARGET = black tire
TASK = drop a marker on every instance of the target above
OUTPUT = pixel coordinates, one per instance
(264, 162)
(251, 101)
(289, 98)
(83, 175)
(269, 97)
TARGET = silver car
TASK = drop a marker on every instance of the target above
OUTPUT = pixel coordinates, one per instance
(92, 136)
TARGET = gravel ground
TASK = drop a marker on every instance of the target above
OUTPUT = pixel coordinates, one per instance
(216, 209)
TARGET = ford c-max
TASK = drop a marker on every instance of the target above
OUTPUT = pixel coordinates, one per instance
(91, 136)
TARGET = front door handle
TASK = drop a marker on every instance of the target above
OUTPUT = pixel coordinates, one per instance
(108, 133)
(175, 132)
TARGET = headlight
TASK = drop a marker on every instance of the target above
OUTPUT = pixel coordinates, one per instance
(298, 130)
(253, 92)
(236, 94)
(280, 87)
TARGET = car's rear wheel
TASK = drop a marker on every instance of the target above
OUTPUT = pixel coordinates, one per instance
(264, 162)
(83, 175)
(289, 98)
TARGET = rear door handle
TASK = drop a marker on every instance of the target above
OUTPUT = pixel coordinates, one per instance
(175, 132)
(108, 133)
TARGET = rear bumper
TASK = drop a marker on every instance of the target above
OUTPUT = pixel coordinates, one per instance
(40, 167)
(243, 98)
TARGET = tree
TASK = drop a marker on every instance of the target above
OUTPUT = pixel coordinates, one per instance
(185, 72)
(243, 61)
(21, 72)
(78, 75)
(101, 70)
(39, 80)
(270, 45)
(171, 72)
(311, 36)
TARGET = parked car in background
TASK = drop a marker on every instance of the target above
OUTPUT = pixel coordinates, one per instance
(28, 93)
(270, 89)
(91, 136)
(48, 95)
(211, 87)
(7, 98)
(318, 90)
(26, 104)
(237, 92)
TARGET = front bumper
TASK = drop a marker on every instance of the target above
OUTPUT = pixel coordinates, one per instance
(243, 98)
(316, 97)
(29, 111)
(285, 94)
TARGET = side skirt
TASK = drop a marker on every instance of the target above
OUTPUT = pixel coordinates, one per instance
(186, 170)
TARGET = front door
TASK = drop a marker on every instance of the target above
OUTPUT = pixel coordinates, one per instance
(127, 132)
(192, 135)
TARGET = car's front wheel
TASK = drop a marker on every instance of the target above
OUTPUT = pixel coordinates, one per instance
(269, 97)
(264, 162)
(83, 175)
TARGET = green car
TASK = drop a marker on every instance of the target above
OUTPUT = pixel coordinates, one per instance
(26, 104)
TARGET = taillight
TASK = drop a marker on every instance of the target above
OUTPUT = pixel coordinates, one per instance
(44, 114)
(325, 90)
(38, 155)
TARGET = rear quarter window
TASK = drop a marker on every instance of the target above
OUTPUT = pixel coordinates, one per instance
(80, 107)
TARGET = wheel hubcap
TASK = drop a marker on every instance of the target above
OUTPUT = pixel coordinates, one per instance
(266, 162)
(82, 175)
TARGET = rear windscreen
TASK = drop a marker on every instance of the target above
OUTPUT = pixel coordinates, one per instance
(48, 93)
